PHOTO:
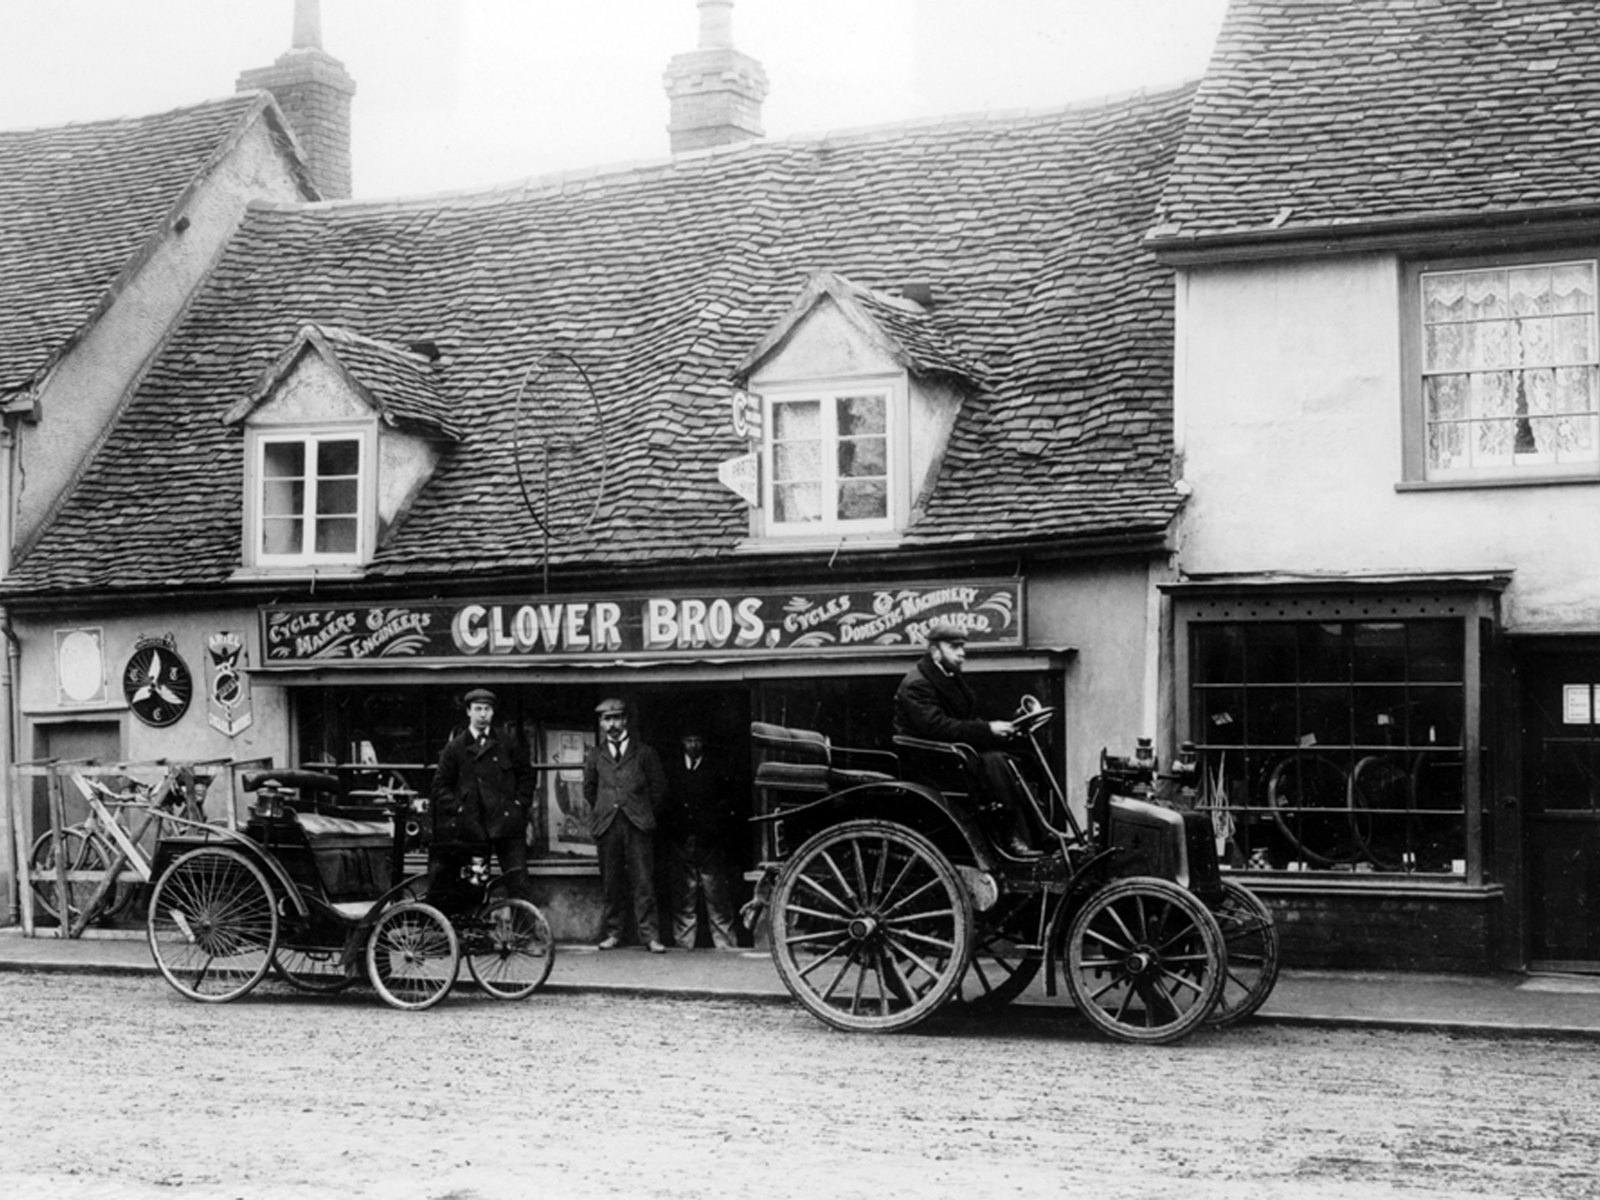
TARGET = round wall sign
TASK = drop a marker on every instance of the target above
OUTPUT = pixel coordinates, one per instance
(157, 684)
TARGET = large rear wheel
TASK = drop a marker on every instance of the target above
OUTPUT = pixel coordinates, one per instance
(871, 926)
(212, 924)
(509, 948)
(413, 955)
(1006, 953)
(1144, 960)
(1251, 938)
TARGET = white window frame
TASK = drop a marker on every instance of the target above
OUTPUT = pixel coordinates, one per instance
(310, 437)
(894, 391)
(1536, 465)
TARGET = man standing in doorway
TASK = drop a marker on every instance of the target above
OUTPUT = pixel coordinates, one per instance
(482, 791)
(696, 825)
(625, 787)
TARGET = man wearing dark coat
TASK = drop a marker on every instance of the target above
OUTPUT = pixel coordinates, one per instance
(935, 703)
(482, 792)
(625, 787)
(696, 823)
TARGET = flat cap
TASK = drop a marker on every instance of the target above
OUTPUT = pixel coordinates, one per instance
(479, 696)
(610, 705)
(945, 631)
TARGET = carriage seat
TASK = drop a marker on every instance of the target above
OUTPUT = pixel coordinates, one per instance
(803, 760)
(951, 768)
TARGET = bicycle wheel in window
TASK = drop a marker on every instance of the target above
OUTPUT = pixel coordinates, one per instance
(1380, 795)
(1251, 938)
(212, 924)
(1310, 802)
(509, 948)
(413, 955)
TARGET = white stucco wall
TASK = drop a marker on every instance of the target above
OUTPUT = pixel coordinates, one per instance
(1101, 610)
(1288, 391)
(87, 386)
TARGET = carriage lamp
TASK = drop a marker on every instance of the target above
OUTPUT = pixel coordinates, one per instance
(269, 802)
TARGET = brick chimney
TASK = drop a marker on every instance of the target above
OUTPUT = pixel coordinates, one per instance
(715, 92)
(314, 90)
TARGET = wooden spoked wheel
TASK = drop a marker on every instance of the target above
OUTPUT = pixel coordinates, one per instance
(871, 926)
(1144, 960)
(212, 924)
(1251, 938)
(1007, 952)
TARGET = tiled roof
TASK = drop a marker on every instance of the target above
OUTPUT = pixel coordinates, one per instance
(77, 205)
(1318, 114)
(650, 285)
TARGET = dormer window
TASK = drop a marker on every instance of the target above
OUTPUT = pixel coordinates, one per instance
(830, 460)
(341, 433)
(311, 497)
(860, 392)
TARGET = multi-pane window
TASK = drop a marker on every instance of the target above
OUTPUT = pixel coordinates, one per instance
(1333, 745)
(309, 498)
(829, 462)
(1509, 370)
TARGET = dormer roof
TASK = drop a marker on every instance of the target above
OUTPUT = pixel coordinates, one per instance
(397, 383)
(79, 206)
(901, 328)
(1328, 118)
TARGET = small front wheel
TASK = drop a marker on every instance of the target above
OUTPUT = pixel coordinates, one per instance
(509, 948)
(413, 955)
(212, 924)
(1144, 960)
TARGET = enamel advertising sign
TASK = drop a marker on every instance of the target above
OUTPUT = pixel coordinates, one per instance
(799, 622)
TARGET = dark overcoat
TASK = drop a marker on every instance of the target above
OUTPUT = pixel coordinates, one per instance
(939, 706)
(481, 793)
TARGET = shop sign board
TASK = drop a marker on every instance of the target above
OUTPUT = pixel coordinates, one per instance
(794, 622)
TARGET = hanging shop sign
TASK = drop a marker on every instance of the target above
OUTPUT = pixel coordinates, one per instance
(228, 689)
(806, 621)
(156, 681)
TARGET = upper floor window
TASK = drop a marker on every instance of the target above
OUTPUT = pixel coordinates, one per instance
(831, 462)
(1509, 361)
(309, 498)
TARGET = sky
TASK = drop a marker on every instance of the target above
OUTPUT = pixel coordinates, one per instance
(462, 94)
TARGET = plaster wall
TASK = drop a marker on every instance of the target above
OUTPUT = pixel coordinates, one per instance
(1100, 609)
(1289, 429)
(83, 392)
(192, 737)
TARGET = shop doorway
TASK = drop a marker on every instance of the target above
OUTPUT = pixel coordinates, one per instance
(1561, 792)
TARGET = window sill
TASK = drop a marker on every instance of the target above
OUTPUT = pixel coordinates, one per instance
(820, 545)
(1498, 481)
(249, 574)
(1285, 883)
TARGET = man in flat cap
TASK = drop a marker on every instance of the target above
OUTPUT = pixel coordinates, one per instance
(482, 791)
(935, 703)
(625, 787)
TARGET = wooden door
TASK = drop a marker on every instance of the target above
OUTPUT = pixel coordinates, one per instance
(1561, 793)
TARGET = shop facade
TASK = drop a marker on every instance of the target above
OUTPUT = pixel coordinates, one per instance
(370, 687)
